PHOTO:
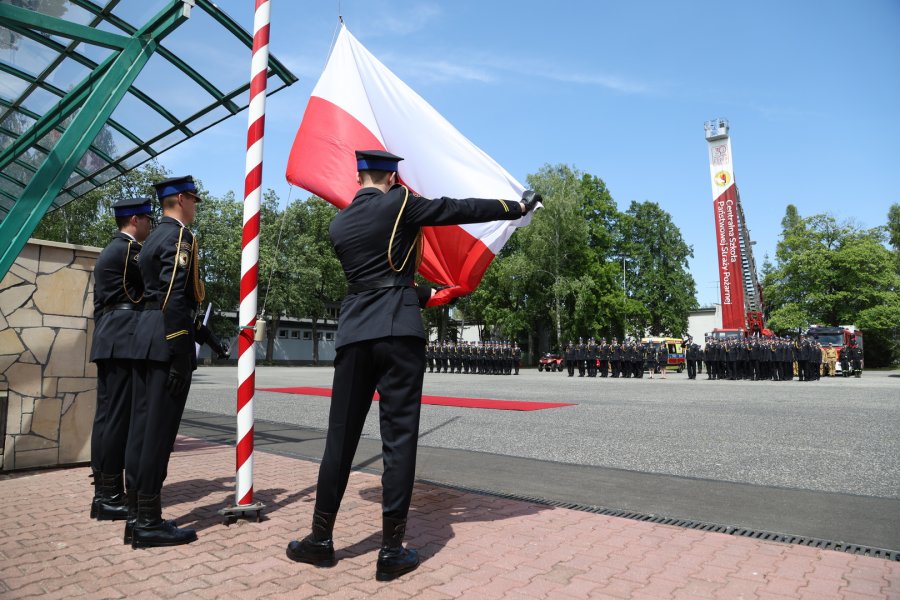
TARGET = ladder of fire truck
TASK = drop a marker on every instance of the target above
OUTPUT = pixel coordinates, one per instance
(752, 289)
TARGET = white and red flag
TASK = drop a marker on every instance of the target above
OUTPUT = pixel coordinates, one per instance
(358, 104)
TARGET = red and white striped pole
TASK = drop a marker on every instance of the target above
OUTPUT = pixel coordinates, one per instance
(250, 255)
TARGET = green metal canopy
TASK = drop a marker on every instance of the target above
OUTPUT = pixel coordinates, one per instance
(88, 91)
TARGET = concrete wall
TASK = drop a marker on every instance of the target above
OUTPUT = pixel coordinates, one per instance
(46, 309)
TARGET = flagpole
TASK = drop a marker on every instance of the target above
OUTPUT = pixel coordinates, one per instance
(256, 116)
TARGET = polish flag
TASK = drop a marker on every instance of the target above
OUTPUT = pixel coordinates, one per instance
(358, 104)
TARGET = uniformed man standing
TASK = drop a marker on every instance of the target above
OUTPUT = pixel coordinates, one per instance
(570, 358)
(603, 355)
(592, 358)
(844, 355)
(164, 348)
(580, 356)
(856, 359)
(517, 357)
(380, 346)
(615, 357)
(118, 298)
(690, 354)
(831, 360)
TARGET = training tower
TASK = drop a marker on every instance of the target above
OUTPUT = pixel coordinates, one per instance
(741, 295)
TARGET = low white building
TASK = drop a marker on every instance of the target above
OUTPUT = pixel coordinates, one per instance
(702, 321)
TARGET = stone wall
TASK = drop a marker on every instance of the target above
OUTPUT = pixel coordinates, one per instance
(46, 310)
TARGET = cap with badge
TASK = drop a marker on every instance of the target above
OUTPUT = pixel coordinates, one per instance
(127, 207)
(176, 185)
(376, 160)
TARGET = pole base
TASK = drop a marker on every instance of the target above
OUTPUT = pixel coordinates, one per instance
(230, 514)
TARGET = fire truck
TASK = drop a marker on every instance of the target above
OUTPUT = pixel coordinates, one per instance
(741, 294)
(842, 336)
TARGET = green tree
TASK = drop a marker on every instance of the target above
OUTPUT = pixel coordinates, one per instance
(320, 272)
(835, 273)
(563, 275)
(656, 268)
(791, 218)
(218, 232)
(533, 282)
(89, 220)
(894, 226)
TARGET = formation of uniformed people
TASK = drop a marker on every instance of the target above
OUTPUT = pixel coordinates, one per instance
(628, 359)
(147, 291)
(485, 358)
(774, 359)
(380, 344)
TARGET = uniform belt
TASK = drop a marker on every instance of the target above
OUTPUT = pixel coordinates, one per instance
(121, 306)
(377, 284)
(157, 306)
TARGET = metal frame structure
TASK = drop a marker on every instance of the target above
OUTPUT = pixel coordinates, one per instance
(61, 137)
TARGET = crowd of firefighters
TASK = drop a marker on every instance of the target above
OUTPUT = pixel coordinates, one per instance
(628, 359)
(774, 359)
(757, 359)
(486, 358)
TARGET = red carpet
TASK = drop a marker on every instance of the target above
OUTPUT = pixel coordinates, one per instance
(437, 400)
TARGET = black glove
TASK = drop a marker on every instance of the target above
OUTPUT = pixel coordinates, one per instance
(423, 293)
(530, 199)
(179, 374)
(204, 335)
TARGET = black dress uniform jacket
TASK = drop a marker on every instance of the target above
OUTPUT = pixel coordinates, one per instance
(360, 234)
(380, 339)
(166, 326)
(117, 287)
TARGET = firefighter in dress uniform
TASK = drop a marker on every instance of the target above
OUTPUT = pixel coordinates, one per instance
(118, 300)
(164, 350)
(380, 345)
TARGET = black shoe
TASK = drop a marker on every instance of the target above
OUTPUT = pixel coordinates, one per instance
(317, 548)
(111, 505)
(150, 530)
(393, 559)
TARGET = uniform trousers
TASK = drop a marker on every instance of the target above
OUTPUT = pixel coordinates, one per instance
(155, 417)
(392, 366)
(113, 415)
(692, 369)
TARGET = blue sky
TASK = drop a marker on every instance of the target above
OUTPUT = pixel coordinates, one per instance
(621, 90)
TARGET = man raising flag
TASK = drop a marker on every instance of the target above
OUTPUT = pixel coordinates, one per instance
(381, 240)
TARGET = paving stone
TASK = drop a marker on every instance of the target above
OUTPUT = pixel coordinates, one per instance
(477, 547)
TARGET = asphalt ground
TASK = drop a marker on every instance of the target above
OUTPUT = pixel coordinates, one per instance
(818, 459)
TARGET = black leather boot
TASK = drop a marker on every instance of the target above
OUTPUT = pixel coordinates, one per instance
(150, 530)
(393, 559)
(95, 481)
(131, 503)
(112, 505)
(317, 548)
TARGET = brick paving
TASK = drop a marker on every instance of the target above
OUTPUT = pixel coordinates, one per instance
(472, 546)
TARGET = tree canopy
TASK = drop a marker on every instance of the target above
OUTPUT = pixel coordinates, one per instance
(563, 277)
(834, 273)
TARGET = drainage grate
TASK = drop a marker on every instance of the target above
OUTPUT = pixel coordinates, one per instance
(768, 536)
